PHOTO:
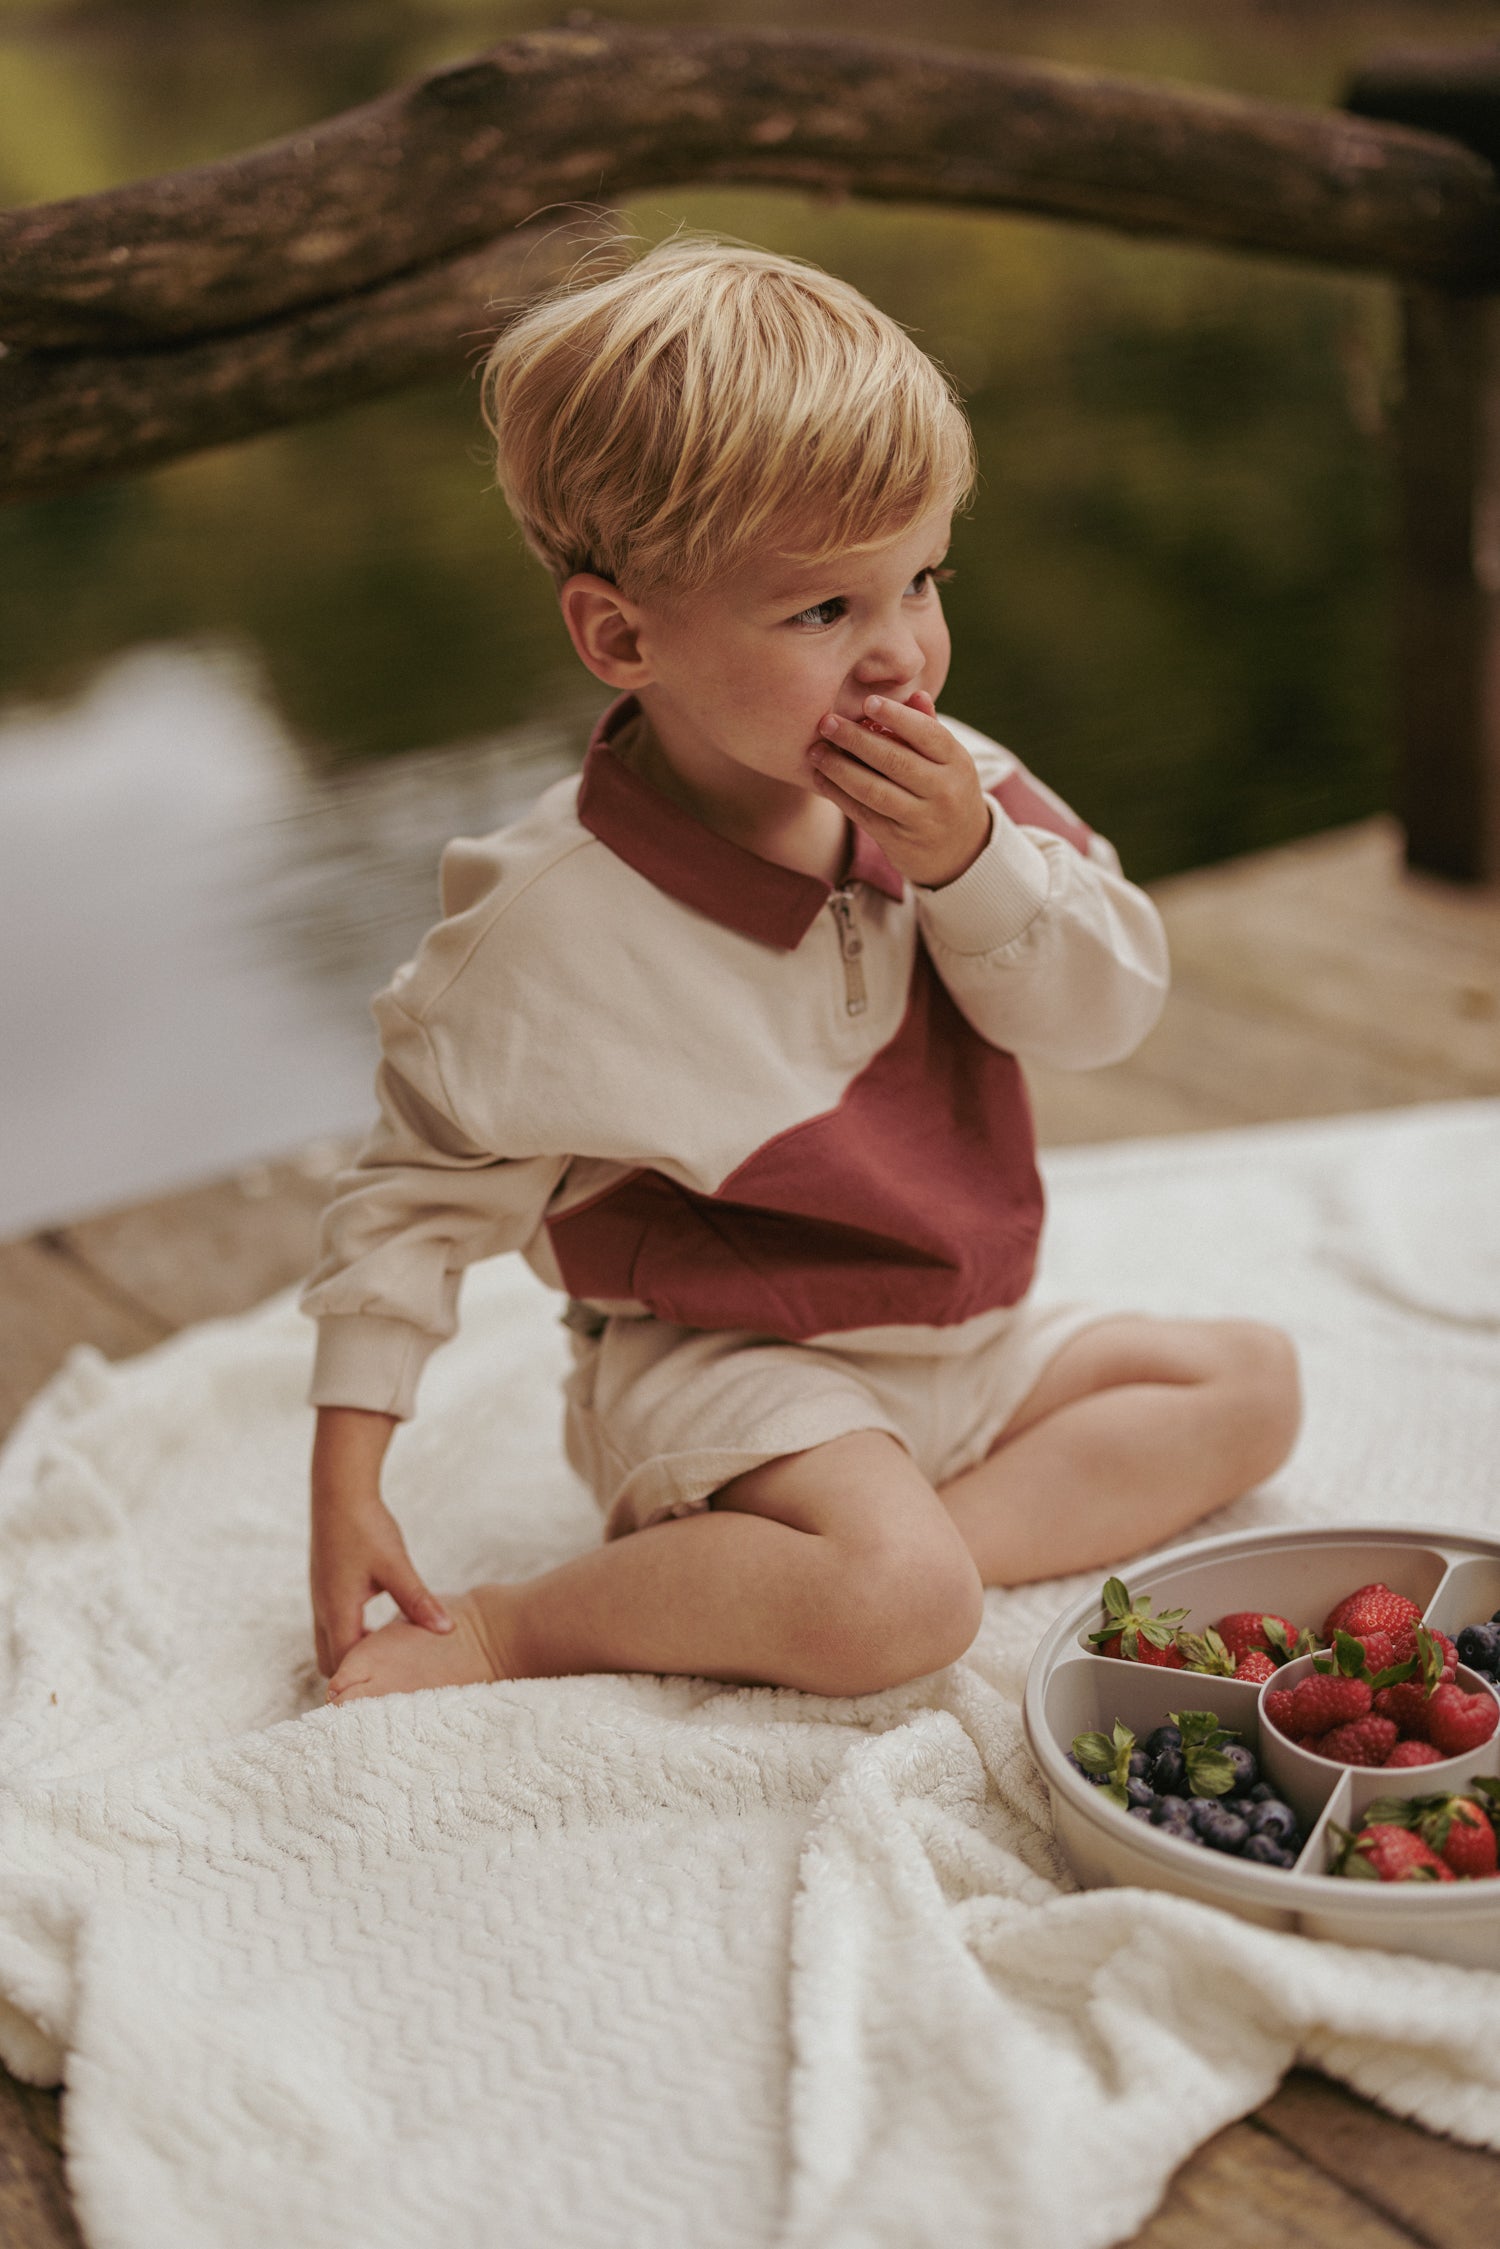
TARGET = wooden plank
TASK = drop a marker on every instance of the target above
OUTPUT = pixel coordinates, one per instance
(216, 1249)
(1448, 2195)
(1247, 2188)
(35, 2210)
(48, 1303)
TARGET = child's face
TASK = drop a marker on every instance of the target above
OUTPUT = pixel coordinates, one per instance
(745, 671)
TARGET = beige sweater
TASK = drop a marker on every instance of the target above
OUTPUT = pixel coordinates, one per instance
(692, 1084)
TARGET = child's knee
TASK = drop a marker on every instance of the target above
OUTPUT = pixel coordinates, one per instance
(1262, 1385)
(906, 1608)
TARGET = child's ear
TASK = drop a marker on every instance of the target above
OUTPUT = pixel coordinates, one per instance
(605, 628)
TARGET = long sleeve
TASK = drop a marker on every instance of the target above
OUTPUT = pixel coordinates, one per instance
(1045, 946)
(422, 1200)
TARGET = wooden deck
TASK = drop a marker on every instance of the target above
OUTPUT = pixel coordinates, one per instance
(1308, 981)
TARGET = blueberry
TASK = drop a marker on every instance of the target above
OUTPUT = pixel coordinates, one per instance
(1495, 1619)
(1168, 1773)
(1138, 1763)
(1263, 1852)
(1276, 1821)
(1246, 1771)
(1173, 1814)
(1139, 1793)
(1140, 1812)
(1479, 1647)
(1165, 1737)
(1220, 1828)
(1261, 1793)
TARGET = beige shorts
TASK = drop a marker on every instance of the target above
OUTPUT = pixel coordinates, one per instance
(659, 1417)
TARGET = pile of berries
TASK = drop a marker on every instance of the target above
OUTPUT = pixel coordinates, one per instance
(1193, 1780)
(1449, 1838)
(1248, 1644)
(1388, 1694)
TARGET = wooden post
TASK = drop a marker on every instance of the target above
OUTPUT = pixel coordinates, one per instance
(1448, 629)
(1448, 633)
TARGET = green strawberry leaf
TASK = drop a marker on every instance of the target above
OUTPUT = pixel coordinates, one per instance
(1349, 1655)
(1349, 1858)
(1205, 1651)
(1095, 1752)
(1393, 1674)
(1209, 1774)
(1392, 1811)
(1116, 1597)
(1430, 1656)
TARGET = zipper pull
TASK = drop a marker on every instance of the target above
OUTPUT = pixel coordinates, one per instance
(851, 945)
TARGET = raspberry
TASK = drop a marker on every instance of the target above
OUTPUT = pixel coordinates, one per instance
(1457, 1722)
(1406, 1705)
(1325, 1699)
(1413, 1753)
(1367, 1741)
(1257, 1665)
(1379, 1650)
(1371, 1608)
(1278, 1708)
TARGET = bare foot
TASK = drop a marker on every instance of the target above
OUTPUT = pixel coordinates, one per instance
(400, 1657)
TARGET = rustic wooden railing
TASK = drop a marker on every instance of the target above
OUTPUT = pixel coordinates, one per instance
(371, 249)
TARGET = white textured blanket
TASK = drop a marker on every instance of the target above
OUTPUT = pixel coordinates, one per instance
(654, 1964)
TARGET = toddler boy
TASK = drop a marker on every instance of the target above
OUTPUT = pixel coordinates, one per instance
(723, 1036)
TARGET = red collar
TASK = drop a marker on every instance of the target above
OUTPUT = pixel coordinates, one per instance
(697, 866)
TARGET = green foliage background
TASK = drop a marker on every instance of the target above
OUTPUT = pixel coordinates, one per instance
(1171, 596)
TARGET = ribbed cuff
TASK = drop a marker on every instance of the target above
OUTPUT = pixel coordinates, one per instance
(994, 901)
(366, 1361)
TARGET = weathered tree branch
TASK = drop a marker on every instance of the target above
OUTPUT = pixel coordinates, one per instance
(593, 114)
(68, 418)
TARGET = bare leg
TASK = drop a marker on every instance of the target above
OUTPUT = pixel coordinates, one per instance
(837, 1570)
(1136, 1429)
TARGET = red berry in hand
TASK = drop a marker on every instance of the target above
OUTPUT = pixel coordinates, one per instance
(1366, 1741)
(1257, 1665)
(1408, 1753)
(1371, 1608)
(1457, 1722)
(1324, 1699)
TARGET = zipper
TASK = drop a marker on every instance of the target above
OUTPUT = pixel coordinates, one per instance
(851, 945)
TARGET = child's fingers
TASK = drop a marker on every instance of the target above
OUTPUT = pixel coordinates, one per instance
(412, 1598)
(916, 723)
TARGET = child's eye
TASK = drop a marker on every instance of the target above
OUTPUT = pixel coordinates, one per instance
(822, 612)
(939, 575)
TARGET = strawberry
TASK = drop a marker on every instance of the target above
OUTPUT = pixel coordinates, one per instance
(1278, 1708)
(1387, 1853)
(1131, 1631)
(1366, 1741)
(1323, 1700)
(1168, 1658)
(1380, 1650)
(1370, 1608)
(1257, 1665)
(1252, 1631)
(1406, 1648)
(1408, 1752)
(1468, 1845)
(1457, 1722)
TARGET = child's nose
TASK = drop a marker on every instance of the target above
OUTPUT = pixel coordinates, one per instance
(895, 661)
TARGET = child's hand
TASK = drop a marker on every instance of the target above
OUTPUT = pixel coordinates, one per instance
(357, 1547)
(918, 795)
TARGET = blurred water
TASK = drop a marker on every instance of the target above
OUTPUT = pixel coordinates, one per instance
(192, 925)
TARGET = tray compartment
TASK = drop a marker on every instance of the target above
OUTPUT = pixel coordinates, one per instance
(1296, 1578)
(1086, 1694)
(1469, 1594)
(1297, 1773)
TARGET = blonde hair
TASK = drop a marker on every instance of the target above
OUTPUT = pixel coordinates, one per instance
(707, 402)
